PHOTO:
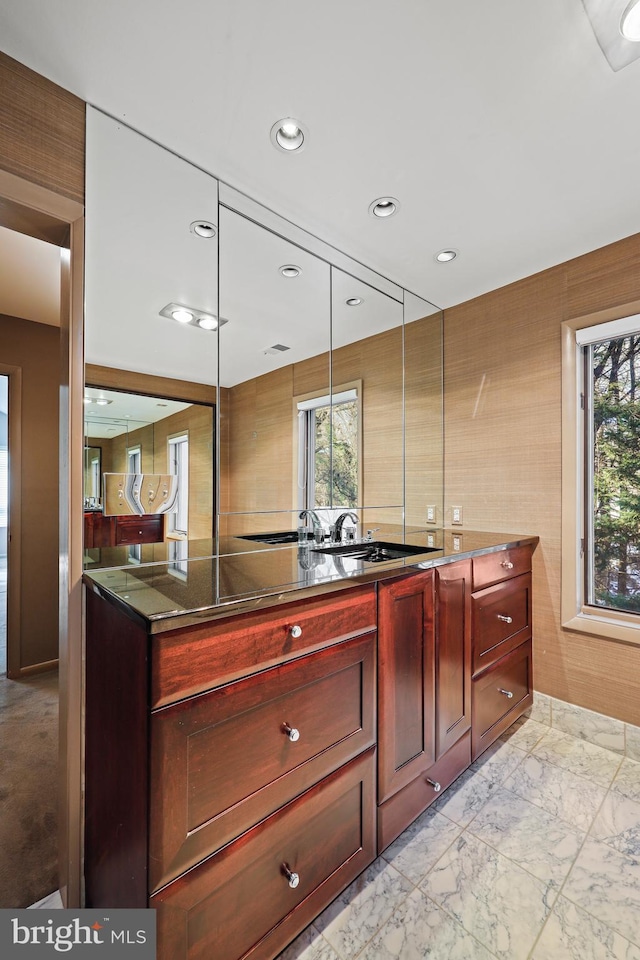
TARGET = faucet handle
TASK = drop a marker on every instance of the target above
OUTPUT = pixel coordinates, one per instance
(370, 533)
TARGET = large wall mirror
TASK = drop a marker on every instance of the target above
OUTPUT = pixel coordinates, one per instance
(302, 379)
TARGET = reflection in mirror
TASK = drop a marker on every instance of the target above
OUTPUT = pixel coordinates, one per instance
(168, 445)
(274, 352)
(424, 436)
(367, 412)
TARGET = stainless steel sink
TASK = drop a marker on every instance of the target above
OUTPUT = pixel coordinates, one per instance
(374, 551)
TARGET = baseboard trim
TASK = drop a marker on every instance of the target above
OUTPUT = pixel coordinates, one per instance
(45, 667)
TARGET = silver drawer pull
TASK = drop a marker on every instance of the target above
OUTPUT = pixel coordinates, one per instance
(507, 564)
(507, 693)
(295, 631)
(434, 783)
(504, 619)
(291, 732)
(292, 877)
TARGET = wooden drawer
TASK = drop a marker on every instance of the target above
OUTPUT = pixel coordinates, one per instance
(139, 530)
(493, 710)
(195, 659)
(395, 814)
(501, 620)
(494, 567)
(239, 903)
(222, 761)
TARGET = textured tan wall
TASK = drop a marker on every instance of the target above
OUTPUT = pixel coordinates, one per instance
(31, 346)
(503, 449)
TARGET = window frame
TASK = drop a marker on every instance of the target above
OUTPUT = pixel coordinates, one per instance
(575, 613)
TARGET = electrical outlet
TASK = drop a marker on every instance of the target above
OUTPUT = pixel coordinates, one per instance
(457, 542)
(431, 540)
(431, 514)
(456, 514)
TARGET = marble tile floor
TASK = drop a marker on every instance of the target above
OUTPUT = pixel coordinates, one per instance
(532, 854)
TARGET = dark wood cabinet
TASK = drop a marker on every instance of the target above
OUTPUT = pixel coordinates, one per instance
(406, 681)
(453, 653)
(102, 531)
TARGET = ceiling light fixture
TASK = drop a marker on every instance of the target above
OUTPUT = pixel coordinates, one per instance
(208, 323)
(446, 256)
(288, 134)
(191, 316)
(384, 207)
(203, 228)
(102, 401)
(630, 22)
(354, 301)
(182, 316)
(290, 270)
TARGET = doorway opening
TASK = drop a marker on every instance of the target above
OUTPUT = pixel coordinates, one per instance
(4, 506)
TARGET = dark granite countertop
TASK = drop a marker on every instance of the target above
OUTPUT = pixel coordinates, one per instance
(166, 594)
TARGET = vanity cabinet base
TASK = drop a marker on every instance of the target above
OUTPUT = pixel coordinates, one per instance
(255, 895)
(395, 814)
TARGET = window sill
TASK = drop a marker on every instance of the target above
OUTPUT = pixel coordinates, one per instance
(609, 625)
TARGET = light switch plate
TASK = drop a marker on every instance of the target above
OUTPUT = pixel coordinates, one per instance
(456, 514)
(431, 514)
(457, 542)
(431, 540)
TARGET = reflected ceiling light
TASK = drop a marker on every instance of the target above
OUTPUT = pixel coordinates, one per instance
(354, 301)
(384, 207)
(630, 22)
(208, 322)
(102, 401)
(203, 228)
(446, 256)
(616, 26)
(191, 316)
(290, 270)
(288, 134)
(88, 399)
(182, 316)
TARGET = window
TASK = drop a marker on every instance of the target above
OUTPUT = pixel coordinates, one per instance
(134, 459)
(601, 478)
(328, 450)
(178, 522)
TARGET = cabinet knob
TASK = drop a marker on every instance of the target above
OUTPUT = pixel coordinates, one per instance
(504, 619)
(295, 631)
(291, 732)
(506, 693)
(507, 564)
(293, 878)
(434, 783)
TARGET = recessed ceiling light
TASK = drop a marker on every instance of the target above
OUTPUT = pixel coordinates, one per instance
(207, 322)
(630, 22)
(203, 228)
(290, 270)
(354, 301)
(182, 316)
(159, 405)
(102, 401)
(288, 134)
(384, 207)
(445, 256)
(88, 399)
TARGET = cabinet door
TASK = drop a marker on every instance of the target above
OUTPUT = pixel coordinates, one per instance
(453, 653)
(405, 681)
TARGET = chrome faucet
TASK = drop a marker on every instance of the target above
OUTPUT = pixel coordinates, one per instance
(337, 527)
(313, 516)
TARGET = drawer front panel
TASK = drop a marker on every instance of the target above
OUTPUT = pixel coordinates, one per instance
(139, 530)
(501, 617)
(395, 814)
(241, 903)
(494, 567)
(186, 662)
(226, 759)
(493, 709)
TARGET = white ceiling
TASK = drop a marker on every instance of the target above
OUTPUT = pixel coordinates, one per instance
(499, 125)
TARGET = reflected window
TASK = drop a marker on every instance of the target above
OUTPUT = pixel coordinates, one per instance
(178, 522)
(134, 459)
(328, 451)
